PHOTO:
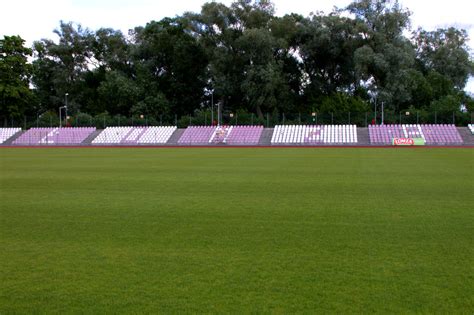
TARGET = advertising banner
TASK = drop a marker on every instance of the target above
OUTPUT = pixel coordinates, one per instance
(408, 141)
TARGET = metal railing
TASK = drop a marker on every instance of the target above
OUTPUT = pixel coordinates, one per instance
(268, 120)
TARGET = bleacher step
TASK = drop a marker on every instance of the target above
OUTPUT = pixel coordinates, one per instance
(363, 136)
(266, 137)
(466, 135)
(173, 140)
(10, 140)
(92, 136)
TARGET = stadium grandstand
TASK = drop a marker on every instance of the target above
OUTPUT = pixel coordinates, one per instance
(242, 135)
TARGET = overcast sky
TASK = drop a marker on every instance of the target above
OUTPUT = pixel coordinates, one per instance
(33, 19)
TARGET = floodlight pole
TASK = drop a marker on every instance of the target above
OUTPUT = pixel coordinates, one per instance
(65, 111)
(60, 115)
(212, 107)
(375, 110)
(382, 113)
(65, 108)
(219, 114)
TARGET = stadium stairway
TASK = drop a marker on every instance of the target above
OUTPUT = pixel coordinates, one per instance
(266, 137)
(92, 136)
(363, 136)
(466, 135)
(13, 138)
(173, 140)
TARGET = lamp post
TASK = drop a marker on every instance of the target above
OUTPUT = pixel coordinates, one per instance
(212, 107)
(65, 110)
(375, 110)
(382, 113)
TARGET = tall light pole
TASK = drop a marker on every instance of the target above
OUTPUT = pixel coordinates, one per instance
(212, 107)
(375, 110)
(65, 109)
(382, 113)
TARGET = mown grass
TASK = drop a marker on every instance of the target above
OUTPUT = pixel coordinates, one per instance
(237, 230)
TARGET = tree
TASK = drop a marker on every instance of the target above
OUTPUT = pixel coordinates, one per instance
(386, 56)
(15, 73)
(59, 68)
(170, 66)
(264, 86)
(445, 51)
(327, 51)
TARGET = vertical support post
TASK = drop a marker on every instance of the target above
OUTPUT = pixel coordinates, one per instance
(375, 111)
(212, 107)
(382, 114)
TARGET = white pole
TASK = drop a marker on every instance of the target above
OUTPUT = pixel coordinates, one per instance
(382, 113)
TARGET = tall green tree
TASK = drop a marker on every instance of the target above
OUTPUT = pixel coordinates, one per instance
(386, 56)
(59, 68)
(446, 52)
(171, 66)
(327, 51)
(15, 73)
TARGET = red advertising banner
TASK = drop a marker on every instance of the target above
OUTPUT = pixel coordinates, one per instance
(408, 141)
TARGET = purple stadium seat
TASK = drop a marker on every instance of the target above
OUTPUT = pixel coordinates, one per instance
(432, 134)
(37, 136)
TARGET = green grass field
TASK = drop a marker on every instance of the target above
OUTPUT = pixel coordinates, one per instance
(237, 230)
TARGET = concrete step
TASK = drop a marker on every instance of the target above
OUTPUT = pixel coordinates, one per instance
(363, 136)
(466, 135)
(92, 136)
(10, 140)
(173, 140)
(266, 137)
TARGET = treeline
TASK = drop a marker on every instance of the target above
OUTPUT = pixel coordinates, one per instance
(245, 59)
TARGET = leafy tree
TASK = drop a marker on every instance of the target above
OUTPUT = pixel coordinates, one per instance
(170, 65)
(342, 103)
(59, 67)
(118, 93)
(386, 56)
(327, 48)
(15, 72)
(445, 51)
(250, 60)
